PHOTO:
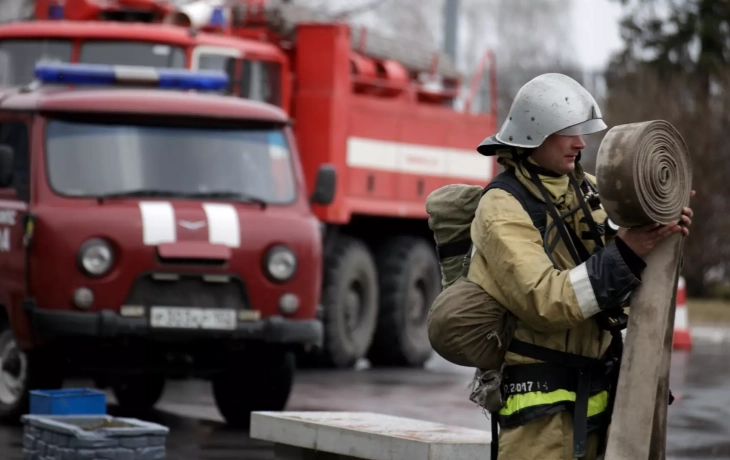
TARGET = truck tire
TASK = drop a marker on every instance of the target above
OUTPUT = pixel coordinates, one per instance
(350, 301)
(410, 280)
(138, 394)
(21, 372)
(249, 385)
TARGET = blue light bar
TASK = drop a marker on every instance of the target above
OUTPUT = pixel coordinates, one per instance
(110, 75)
(80, 74)
(211, 80)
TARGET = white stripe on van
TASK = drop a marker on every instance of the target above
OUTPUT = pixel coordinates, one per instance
(223, 226)
(158, 222)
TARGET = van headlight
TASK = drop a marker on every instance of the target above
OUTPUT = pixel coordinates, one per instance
(280, 264)
(95, 257)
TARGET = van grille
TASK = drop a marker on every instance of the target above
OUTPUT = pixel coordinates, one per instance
(189, 290)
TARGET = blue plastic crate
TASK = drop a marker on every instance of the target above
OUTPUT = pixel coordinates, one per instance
(67, 401)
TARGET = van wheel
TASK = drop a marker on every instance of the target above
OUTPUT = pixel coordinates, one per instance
(410, 280)
(138, 394)
(20, 372)
(350, 300)
(251, 384)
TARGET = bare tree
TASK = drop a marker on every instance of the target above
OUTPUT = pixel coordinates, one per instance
(533, 37)
(647, 94)
(675, 67)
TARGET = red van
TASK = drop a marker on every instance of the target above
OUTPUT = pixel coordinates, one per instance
(149, 233)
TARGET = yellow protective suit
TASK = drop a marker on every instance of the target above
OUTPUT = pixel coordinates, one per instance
(555, 307)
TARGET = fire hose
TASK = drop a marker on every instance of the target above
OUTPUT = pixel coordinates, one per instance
(644, 176)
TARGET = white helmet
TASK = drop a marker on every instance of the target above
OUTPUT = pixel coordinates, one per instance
(552, 103)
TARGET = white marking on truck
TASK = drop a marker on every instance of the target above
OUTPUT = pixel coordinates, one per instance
(223, 224)
(158, 222)
(424, 160)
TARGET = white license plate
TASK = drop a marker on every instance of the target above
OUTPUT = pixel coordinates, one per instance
(193, 318)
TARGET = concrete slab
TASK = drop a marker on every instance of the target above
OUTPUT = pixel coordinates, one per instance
(371, 436)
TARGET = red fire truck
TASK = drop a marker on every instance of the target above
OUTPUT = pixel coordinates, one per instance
(380, 111)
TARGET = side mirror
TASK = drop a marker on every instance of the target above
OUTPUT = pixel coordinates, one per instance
(6, 165)
(324, 188)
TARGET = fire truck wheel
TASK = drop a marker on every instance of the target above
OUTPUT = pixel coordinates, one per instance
(350, 299)
(410, 280)
(138, 394)
(19, 373)
(262, 384)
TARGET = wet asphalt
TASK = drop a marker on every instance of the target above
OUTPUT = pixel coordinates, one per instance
(698, 425)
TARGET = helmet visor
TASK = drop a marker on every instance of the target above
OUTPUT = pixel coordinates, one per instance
(587, 127)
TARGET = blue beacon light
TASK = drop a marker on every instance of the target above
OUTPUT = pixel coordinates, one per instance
(55, 11)
(217, 18)
(109, 75)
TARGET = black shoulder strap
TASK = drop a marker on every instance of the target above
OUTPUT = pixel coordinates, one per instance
(537, 210)
(509, 182)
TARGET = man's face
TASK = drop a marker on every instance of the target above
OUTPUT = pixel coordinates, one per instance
(558, 153)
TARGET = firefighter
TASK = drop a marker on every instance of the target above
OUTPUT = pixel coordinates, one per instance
(569, 301)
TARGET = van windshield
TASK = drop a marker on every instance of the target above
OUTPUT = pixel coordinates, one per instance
(94, 159)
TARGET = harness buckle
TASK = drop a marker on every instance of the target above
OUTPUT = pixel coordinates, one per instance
(613, 322)
(592, 198)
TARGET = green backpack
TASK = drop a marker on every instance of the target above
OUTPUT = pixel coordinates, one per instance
(466, 325)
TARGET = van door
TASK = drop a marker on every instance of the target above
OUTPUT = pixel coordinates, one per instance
(14, 207)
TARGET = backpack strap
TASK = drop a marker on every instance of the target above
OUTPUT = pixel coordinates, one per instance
(455, 248)
(509, 182)
(538, 210)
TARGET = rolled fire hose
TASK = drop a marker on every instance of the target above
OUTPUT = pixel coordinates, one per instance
(644, 176)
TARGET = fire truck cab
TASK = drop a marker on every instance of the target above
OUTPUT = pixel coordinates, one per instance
(149, 232)
(379, 110)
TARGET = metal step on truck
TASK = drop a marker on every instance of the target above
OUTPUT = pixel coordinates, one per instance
(381, 111)
(151, 231)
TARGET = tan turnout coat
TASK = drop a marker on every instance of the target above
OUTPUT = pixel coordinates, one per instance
(511, 265)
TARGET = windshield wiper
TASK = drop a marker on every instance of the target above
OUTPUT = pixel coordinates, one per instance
(171, 193)
(139, 193)
(223, 194)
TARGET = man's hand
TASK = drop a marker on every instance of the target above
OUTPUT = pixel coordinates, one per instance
(643, 239)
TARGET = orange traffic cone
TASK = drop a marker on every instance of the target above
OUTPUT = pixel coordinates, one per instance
(682, 336)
